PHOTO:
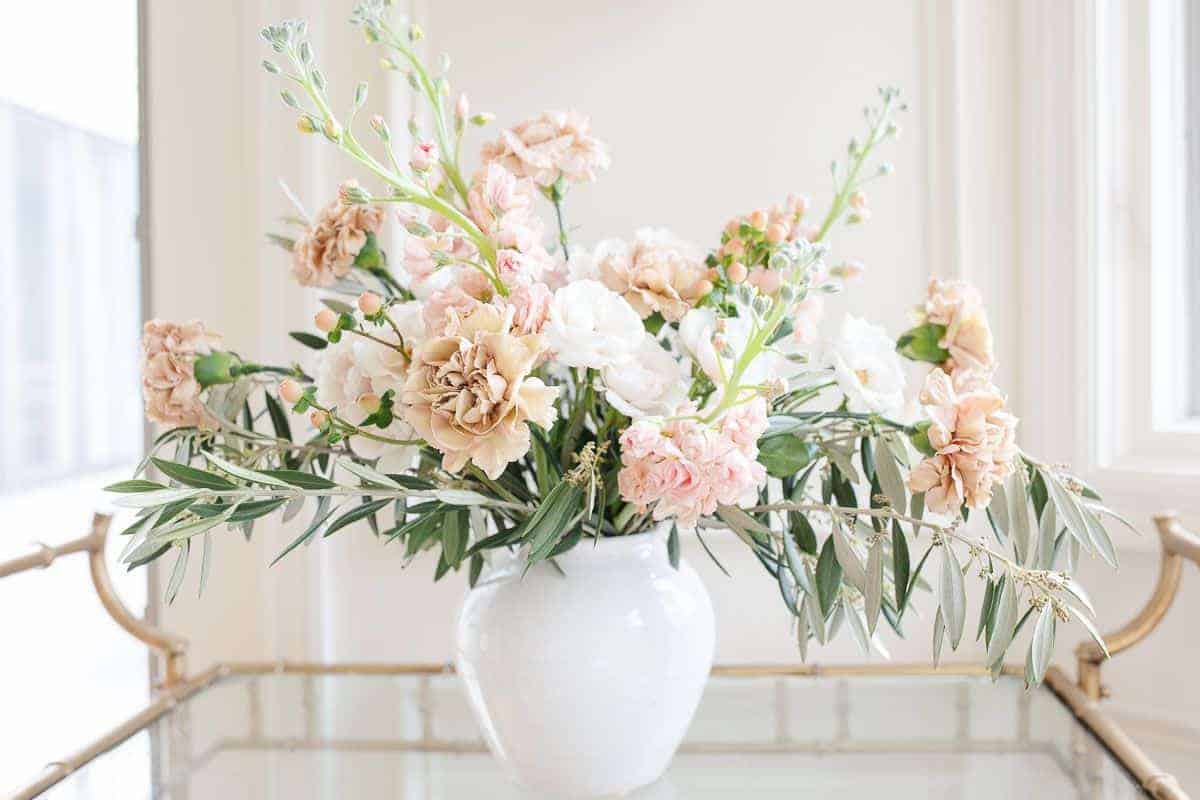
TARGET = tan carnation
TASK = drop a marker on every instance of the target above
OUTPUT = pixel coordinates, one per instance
(169, 384)
(657, 272)
(327, 249)
(555, 144)
(469, 393)
(974, 441)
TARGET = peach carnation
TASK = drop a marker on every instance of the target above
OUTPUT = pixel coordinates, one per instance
(327, 249)
(974, 442)
(658, 272)
(469, 393)
(968, 338)
(553, 145)
(169, 384)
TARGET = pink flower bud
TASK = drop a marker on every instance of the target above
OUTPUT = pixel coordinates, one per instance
(326, 320)
(737, 272)
(734, 247)
(776, 233)
(462, 108)
(798, 205)
(732, 227)
(704, 287)
(368, 402)
(424, 156)
(318, 418)
(858, 201)
(290, 391)
(369, 303)
(758, 219)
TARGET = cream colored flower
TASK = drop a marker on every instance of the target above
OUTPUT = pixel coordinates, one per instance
(974, 439)
(968, 337)
(327, 249)
(556, 144)
(469, 393)
(656, 272)
(169, 384)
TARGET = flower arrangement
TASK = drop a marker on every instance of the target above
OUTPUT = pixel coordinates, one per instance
(495, 387)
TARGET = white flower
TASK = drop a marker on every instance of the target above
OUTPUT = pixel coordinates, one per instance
(700, 325)
(653, 383)
(345, 372)
(591, 326)
(386, 365)
(866, 366)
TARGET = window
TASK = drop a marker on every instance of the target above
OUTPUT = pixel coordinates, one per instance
(69, 326)
(1192, 138)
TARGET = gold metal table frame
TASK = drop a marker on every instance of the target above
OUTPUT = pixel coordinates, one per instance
(1082, 696)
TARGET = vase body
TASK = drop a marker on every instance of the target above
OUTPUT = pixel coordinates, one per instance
(584, 683)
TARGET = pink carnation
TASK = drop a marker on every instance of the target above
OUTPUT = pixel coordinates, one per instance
(685, 469)
(438, 308)
(968, 337)
(328, 248)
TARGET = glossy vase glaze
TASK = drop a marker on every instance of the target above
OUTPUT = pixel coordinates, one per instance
(585, 683)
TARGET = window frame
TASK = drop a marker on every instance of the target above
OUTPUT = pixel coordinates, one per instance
(1103, 273)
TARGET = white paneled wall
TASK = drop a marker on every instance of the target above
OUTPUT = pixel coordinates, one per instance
(710, 109)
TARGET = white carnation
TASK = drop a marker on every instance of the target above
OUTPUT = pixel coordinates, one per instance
(653, 383)
(866, 366)
(352, 367)
(700, 325)
(591, 326)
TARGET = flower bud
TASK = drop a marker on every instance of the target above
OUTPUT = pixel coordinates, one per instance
(482, 119)
(360, 94)
(318, 418)
(849, 271)
(798, 205)
(758, 219)
(776, 233)
(332, 131)
(305, 124)
(380, 126)
(290, 391)
(369, 303)
(387, 63)
(368, 402)
(737, 272)
(862, 215)
(415, 33)
(289, 99)
(326, 320)
(858, 200)
(732, 227)
(424, 156)
(734, 247)
(270, 67)
(704, 287)
(462, 108)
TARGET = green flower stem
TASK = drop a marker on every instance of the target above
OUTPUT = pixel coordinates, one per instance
(409, 191)
(449, 160)
(851, 184)
(557, 198)
(398, 348)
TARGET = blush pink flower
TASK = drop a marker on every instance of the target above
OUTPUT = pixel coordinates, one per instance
(974, 441)
(531, 307)
(328, 248)
(553, 145)
(959, 307)
(169, 384)
(685, 469)
(745, 424)
(442, 304)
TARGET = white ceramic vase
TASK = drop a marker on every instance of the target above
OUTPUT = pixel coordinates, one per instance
(585, 683)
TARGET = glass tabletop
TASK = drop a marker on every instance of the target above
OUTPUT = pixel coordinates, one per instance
(300, 736)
